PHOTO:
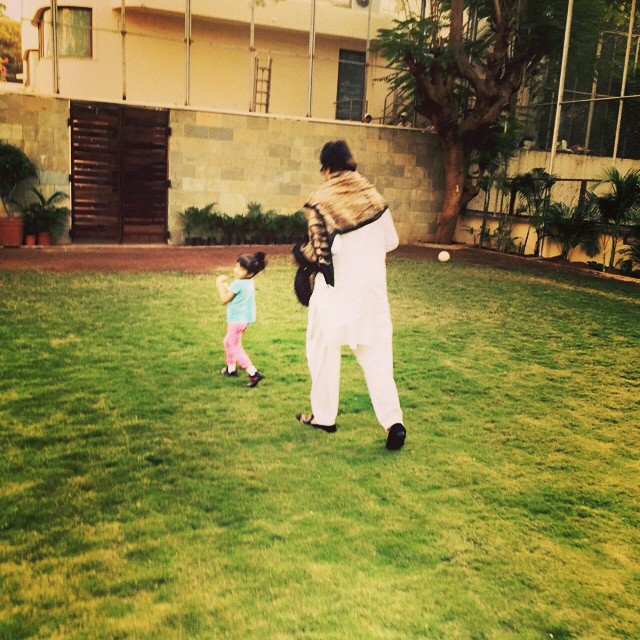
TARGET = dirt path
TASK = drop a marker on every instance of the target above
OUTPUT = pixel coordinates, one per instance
(141, 258)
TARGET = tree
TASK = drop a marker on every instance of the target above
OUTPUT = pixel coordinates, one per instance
(10, 48)
(464, 79)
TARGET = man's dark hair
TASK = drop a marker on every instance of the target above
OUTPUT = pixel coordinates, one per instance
(336, 156)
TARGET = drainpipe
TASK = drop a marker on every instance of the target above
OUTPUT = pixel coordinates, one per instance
(123, 32)
(365, 106)
(187, 52)
(252, 58)
(54, 46)
(312, 51)
(624, 81)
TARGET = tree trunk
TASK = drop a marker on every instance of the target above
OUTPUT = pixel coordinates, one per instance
(455, 172)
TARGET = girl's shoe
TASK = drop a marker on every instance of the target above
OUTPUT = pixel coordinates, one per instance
(228, 374)
(255, 379)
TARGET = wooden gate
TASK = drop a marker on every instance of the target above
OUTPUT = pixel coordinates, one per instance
(118, 173)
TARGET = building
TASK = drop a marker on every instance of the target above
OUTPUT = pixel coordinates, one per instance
(145, 108)
(236, 55)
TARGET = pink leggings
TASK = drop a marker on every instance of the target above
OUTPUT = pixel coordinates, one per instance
(233, 345)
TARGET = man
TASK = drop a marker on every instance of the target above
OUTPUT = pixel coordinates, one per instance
(350, 232)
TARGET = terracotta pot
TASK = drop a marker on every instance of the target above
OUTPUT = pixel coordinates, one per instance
(30, 240)
(44, 239)
(11, 232)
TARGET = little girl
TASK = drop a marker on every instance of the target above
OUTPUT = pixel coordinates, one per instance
(240, 296)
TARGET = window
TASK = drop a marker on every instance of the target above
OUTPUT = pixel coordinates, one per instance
(74, 33)
(350, 99)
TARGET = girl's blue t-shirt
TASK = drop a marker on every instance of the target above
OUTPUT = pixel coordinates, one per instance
(242, 307)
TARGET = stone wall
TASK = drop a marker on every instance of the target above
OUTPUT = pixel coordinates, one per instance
(38, 125)
(237, 158)
(233, 160)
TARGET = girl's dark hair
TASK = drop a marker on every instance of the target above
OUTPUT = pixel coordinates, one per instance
(336, 156)
(254, 263)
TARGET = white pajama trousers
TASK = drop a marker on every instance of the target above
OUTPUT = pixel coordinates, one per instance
(376, 361)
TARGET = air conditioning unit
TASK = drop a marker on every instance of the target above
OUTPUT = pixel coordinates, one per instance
(363, 5)
(358, 5)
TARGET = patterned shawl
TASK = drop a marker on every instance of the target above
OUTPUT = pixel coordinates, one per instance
(345, 202)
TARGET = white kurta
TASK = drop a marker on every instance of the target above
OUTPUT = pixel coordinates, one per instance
(354, 312)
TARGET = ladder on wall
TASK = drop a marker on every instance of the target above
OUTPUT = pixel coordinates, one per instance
(261, 86)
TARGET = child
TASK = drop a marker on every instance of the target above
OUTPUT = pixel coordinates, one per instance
(240, 296)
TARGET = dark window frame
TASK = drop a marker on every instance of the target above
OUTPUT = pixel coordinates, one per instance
(44, 39)
(351, 63)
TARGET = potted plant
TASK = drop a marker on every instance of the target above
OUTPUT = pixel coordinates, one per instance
(15, 168)
(45, 217)
(30, 227)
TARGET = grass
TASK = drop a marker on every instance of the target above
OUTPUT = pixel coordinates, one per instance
(143, 496)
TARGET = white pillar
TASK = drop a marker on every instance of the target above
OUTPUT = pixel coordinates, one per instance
(187, 52)
(54, 46)
(563, 72)
(312, 51)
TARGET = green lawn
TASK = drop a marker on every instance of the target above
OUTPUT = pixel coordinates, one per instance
(143, 496)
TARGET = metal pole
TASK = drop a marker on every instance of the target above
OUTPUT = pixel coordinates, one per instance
(123, 31)
(563, 72)
(54, 46)
(252, 58)
(624, 82)
(365, 107)
(312, 50)
(594, 88)
(187, 52)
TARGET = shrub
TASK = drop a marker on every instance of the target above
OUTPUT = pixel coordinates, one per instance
(15, 168)
(254, 227)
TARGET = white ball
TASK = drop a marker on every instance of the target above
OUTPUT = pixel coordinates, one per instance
(444, 256)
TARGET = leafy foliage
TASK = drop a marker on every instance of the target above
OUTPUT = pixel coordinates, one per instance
(630, 260)
(10, 49)
(620, 206)
(44, 214)
(205, 226)
(15, 168)
(463, 77)
(534, 189)
(572, 227)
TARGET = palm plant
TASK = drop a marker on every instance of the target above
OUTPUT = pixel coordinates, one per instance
(44, 215)
(630, 255)
(572, 227)
(196, 221)
(620, 205)
(533, 189)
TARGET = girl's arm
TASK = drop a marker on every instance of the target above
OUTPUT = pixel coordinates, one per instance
(223, 290)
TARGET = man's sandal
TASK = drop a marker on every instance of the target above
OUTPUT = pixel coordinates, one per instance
(306, 418)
